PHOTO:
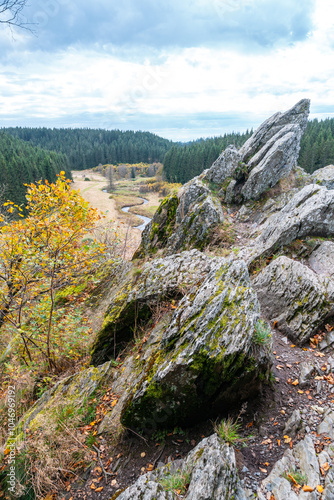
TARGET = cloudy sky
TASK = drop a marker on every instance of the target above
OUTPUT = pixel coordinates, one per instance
(180, 68)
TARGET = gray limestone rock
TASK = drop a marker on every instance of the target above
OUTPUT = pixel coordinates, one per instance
(212, 475)
(282, 155)
(321, 260)
(156, 233)
(324, 177)
(304, 452)
(294, 424)
(191, 193)
(306, 369)
(265, 158)
(309, 213)
(193, 230)
(327, 425)
(146, 489)
(225, 166)
(207, 358)
(297, 115)
(302, 458)
(183, 221)
(133, 303)
(294, 296)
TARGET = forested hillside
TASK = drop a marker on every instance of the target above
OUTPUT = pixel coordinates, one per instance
(182, 163)
(317, 145)
(22, 163)
(86, 148)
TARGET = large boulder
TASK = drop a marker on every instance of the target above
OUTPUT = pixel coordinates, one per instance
(207, 359)
(209, 468)
(133, 303)
(309, 213)
(295, 297)
(324, 177)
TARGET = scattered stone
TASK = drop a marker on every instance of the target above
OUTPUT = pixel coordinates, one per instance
(327, 425)
(294, 424)
(306, 370)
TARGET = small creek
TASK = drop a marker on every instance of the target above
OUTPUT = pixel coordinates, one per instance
(145, 219)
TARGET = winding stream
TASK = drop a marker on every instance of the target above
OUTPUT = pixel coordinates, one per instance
(145, 219)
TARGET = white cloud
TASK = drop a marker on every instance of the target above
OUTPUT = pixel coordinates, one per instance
(169, 85)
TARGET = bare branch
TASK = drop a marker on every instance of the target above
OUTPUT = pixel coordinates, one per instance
(11, 13)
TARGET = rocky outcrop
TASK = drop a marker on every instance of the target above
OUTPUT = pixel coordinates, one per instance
(270, 154)
(209, 472)
(183, 221)
(295, 298)
(188, 219)
(322, 259)
(324, 177)
(309, 213)
(207, 358)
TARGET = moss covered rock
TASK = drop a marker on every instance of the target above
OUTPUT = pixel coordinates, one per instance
(182, 221)
(141, 292)
(295, 297)
(206, 360)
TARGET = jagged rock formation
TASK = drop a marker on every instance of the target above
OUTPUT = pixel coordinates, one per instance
(309, 213)
(266, 157)
(188, 219)
(206, 358)
(183, 221)
(295, 298)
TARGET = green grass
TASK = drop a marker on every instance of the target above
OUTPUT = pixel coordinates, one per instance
(228, 430)
(262, 333)
(176, 482)
(295, 476)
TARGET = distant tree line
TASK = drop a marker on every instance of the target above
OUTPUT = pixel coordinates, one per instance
(317, 145)
(86, 148)
(22, 163)
(183, 162)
